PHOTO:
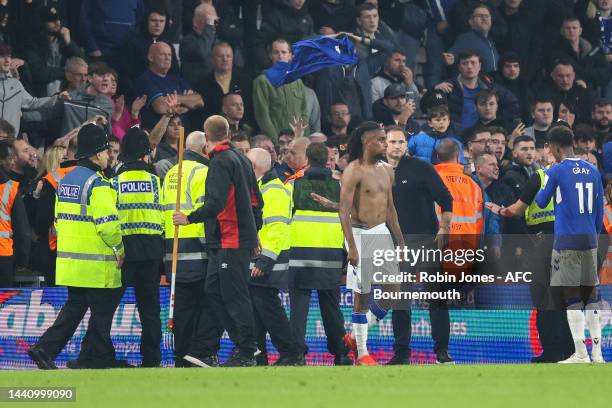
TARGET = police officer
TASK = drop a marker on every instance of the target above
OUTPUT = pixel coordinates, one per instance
(317, 254)
(269, 270)
(140, 213)
(196, 329)
(89, 258)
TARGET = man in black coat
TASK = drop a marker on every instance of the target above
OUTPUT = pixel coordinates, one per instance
(225, 79)
(563, 87)
(415, 199)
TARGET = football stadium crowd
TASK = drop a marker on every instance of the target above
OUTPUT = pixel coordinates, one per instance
(466, 91)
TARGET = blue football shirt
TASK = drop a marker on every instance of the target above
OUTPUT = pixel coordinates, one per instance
(576, 186)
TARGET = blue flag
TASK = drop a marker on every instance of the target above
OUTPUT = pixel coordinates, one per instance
(311, 56)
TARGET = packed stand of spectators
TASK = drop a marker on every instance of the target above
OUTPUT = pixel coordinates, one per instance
(492, 76)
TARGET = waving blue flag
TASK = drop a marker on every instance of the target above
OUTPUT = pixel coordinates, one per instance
(311, 56)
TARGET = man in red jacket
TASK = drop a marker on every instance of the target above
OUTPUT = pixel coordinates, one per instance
(232, 216)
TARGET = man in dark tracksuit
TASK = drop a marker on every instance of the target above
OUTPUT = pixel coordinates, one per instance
(232, 217)
(414, 199)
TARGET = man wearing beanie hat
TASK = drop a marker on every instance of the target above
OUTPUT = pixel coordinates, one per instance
(140, 213)
(89, 258)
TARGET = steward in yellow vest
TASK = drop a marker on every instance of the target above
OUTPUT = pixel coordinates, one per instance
(317, 254)
(140, 212)
(270, 269)
(89, 258)
(197, 330)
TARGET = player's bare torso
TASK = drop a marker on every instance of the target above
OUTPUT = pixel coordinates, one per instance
(371, 198)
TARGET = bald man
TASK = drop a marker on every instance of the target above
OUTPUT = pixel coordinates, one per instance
(295, 159)
(232, 216)
(196, 47)
(269, 270)
(157, 83)
(197, 330)
(225, 79)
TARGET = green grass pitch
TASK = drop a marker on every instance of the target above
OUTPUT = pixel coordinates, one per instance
(517, 386)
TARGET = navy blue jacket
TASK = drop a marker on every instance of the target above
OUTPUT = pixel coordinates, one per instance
(508, 103)
(105, 23)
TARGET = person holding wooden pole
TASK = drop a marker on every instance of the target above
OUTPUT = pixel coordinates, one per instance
(195, 326)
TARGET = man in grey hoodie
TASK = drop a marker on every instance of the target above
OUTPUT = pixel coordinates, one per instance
(13, 97)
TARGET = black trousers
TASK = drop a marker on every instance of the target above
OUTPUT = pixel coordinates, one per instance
(7, 271)
(551, 321)
(402, 330)
(197, 330)
(97, 350)
(144, 277)
(439, 320)
(333, 320)
(227, 288)
(270, 317)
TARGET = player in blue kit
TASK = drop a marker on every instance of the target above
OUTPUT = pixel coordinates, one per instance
(576, 186)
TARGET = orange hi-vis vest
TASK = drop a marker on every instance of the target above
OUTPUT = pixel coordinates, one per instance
(605, 275)
(8, 192)
(53, 178)
(468, 219)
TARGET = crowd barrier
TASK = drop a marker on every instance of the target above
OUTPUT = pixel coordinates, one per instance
(496, 335)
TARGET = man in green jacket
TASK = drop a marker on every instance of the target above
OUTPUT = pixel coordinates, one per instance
(274, 107)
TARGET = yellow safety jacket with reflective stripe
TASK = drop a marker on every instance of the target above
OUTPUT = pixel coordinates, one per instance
(275, 235)
(139, 202)
(316, 236)
(191, 250)
(88, 231)
(534, 215)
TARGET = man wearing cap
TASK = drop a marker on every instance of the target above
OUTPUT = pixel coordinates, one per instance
(47, 56)
(396, 109)
(140, 213)
(89, 258)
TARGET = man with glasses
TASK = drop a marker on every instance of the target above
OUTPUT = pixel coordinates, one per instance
(477, 38)
(478, 142)
(339, 120)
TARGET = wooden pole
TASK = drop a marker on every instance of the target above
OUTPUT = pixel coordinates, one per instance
(175, 240)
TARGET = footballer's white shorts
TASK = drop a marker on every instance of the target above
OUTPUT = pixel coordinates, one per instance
(574, 268)
(367, 240)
